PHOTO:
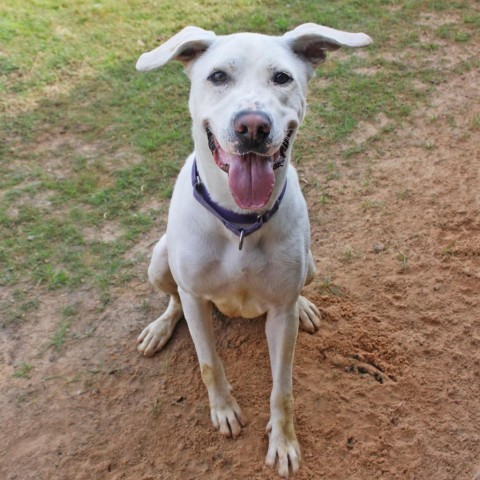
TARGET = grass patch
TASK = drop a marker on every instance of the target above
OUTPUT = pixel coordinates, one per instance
(449, 250)
(23, 370)
(328, 287)
(157, 408)
(60, 336)
(86, 142)
(402, 257)
(17, 309)
(349, 254)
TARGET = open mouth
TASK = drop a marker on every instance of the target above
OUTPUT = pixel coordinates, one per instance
(251, 176)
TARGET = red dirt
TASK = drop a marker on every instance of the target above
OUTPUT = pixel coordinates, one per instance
(388, 388)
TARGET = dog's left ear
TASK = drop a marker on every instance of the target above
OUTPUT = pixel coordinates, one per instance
(184, 47)
(311, 42)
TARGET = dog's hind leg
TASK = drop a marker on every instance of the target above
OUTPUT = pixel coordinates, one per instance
(311, 269)
(309, 314)
(154, 337)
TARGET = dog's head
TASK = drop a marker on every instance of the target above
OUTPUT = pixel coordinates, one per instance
(247, 100)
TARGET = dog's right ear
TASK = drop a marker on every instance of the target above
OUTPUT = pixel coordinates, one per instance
(184, 47)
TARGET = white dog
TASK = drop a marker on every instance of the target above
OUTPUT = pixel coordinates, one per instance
(238, 234)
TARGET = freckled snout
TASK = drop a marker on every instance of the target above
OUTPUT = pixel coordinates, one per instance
(252, 129)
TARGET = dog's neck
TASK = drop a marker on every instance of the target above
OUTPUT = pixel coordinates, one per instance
(241, 224)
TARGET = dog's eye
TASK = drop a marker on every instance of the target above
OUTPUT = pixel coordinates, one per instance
(282, 78)
(219, 77)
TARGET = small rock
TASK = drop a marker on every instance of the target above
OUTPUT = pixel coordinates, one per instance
(378, 247)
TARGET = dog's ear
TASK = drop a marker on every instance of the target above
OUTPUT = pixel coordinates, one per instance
(311, 42)
(184, 47)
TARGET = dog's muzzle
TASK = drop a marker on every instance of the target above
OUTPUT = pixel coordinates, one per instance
(250, 171)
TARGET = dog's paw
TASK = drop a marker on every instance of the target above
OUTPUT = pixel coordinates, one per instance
(309, 315)
(227, 417)
(283, 450)
(156, 335)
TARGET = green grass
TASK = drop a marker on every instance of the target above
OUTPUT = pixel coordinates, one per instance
(157, 408)
(60, 336)
(23, 370)
(402, 257)
(18, 308)
(87, 143)
(328, 287)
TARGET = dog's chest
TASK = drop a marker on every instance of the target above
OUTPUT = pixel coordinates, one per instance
(242, 304)
(241, 295)
(239, 283)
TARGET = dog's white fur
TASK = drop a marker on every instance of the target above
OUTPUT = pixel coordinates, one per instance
(198, 262)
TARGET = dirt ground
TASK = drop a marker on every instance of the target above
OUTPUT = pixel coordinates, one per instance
(389, 387)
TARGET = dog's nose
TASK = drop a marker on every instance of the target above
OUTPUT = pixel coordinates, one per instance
(252, 128)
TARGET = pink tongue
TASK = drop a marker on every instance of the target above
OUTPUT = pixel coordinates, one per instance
(251, 180)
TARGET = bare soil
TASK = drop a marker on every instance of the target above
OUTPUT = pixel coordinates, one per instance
(389, 387)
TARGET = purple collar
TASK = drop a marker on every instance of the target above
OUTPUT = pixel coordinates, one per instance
(241, 224)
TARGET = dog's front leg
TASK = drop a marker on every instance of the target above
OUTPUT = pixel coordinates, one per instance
(225, 412)
(281, 328)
